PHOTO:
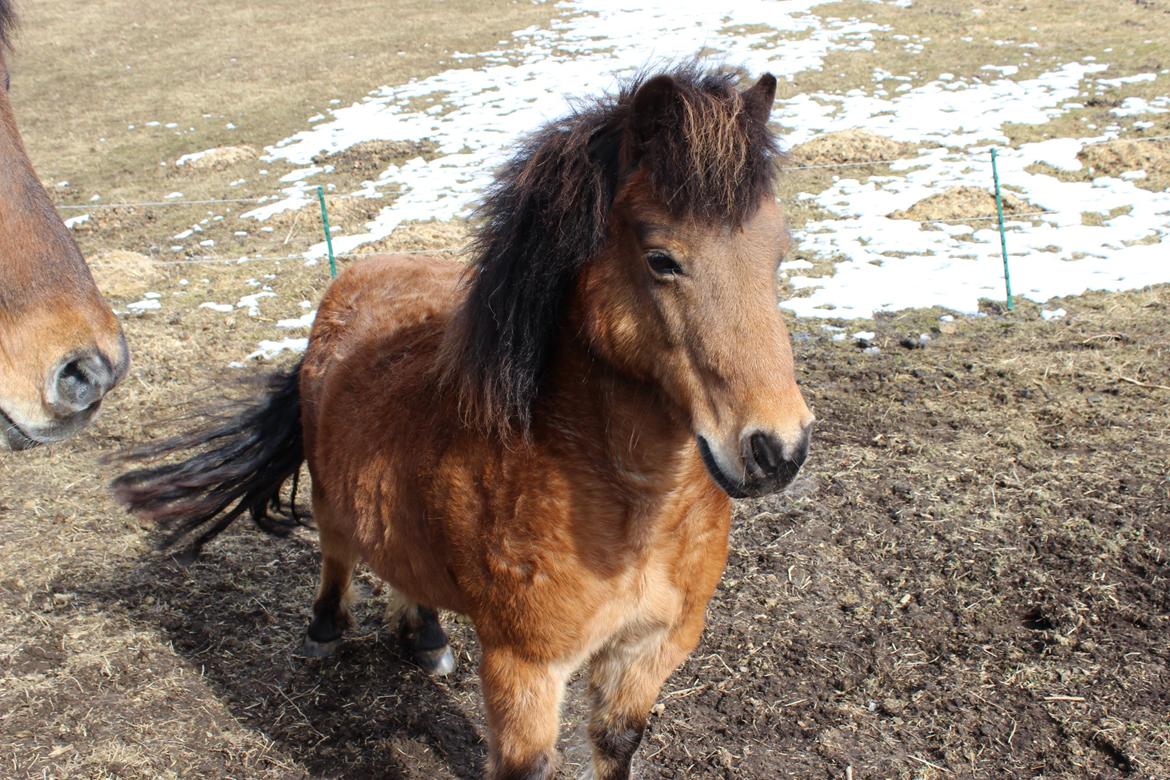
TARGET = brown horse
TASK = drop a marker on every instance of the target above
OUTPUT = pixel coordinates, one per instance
(61, 349)
(545, 442)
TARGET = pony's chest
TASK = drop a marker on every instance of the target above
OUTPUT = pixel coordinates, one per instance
(672, 565)
(650, 595)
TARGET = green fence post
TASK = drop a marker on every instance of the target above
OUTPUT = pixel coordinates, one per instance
(1007, 276)
(329, 235)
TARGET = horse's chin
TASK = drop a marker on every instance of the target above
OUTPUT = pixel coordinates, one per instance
(12, 438)
(15, 438)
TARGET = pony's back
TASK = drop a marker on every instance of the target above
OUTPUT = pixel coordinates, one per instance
(370, 308)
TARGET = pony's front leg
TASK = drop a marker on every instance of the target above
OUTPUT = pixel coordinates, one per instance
(523, 702)
(625, 678)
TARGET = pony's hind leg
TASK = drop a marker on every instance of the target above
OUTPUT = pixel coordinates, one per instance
(331, 608)
(425, 638)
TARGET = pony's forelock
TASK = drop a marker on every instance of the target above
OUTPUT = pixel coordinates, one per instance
(710, 159)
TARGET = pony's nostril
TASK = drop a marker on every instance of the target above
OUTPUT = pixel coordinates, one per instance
(766, 452)
(80, 382)
(774, 459)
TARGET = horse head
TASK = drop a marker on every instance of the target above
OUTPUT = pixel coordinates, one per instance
(684, 293)
(61, 348)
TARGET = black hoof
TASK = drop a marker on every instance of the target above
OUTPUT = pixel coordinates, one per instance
(439, 662)
(427, 642)
(327, 627)
(314, 649)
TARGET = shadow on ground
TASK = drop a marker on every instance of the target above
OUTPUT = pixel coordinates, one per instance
(239, 614)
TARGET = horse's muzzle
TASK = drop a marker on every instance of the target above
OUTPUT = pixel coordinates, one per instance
(768, 464)
(72, 393)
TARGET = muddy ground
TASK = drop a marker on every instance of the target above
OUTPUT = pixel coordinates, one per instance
(970, 580)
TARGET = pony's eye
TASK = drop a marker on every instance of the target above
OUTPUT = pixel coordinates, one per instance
(662, 263)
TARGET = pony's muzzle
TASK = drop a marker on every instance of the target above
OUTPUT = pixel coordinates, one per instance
(767, 463)
(72, 392)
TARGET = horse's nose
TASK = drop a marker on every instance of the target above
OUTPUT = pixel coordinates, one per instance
(78, 382)
(770, 458)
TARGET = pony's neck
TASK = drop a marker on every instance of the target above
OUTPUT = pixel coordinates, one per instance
(626, 425)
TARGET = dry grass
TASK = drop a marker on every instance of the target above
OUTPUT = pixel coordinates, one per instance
(451, 238)
(849, 146)
(961, 202)
(350, 213)
(218, 159)
(370, 158)
(124, 274)
(1114, 158)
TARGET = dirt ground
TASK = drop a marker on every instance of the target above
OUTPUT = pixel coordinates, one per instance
(970, 579)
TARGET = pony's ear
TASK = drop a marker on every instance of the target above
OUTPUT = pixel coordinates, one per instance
(605, 148)
(650, 108)
(759, 98)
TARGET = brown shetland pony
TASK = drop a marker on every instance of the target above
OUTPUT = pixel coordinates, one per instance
(545, 442)
(61, 349)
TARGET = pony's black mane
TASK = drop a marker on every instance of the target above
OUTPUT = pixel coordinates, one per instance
(7, 23)
(705, 157)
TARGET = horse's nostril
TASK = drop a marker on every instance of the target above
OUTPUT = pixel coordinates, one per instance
(79, 382)
(771, 458)
(767, 452)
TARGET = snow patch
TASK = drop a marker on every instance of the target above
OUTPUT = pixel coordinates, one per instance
(270, 349)
(304, 321)
(252, 302)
